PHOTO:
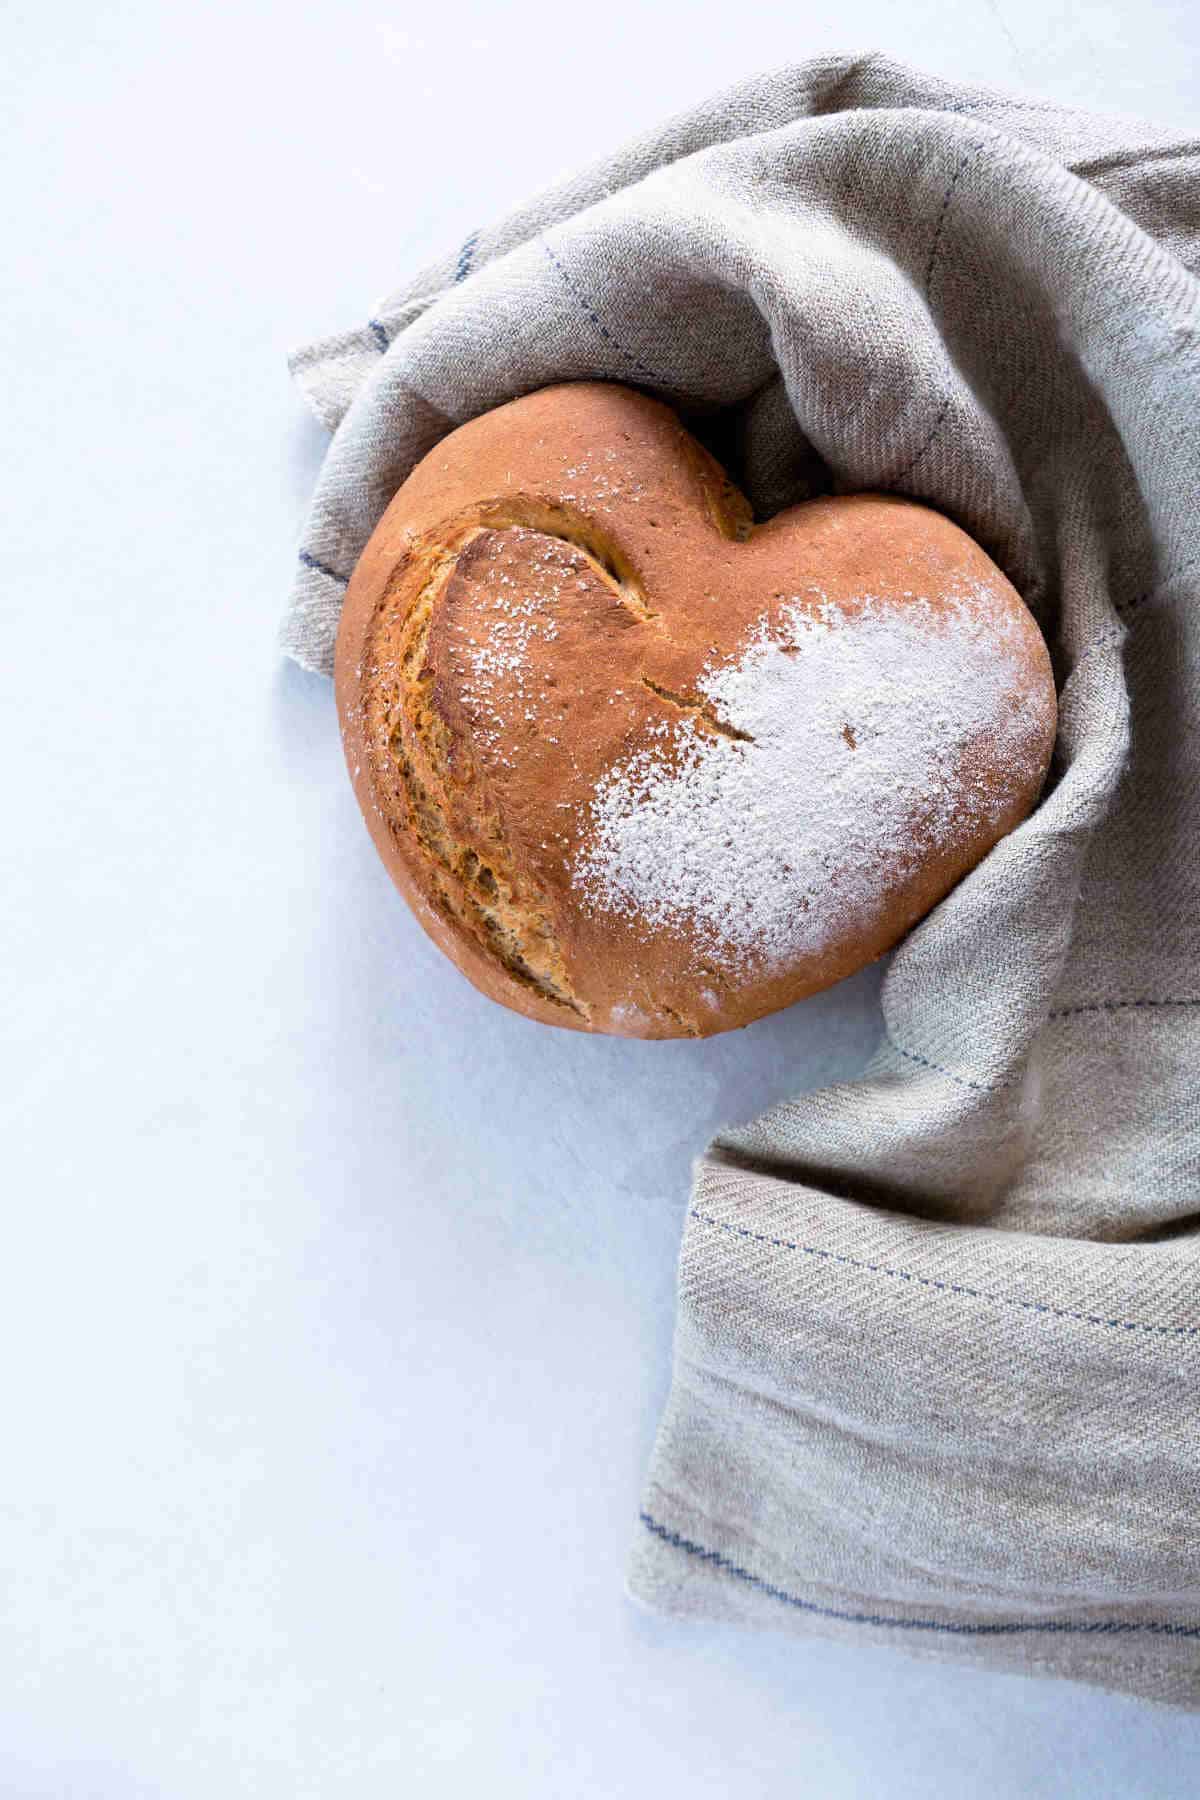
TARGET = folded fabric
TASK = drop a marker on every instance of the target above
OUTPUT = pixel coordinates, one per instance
(938, 1344)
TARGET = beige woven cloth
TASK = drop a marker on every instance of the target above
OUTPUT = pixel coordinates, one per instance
(937, 1357)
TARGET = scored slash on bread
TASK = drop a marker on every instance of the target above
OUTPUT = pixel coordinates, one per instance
(641, 766)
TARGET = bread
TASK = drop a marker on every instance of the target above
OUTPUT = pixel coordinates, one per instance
(641, 766)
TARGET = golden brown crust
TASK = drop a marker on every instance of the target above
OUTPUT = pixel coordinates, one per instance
(541, 600)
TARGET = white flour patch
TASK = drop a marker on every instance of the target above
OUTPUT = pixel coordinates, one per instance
(767, 850)
(627, 1017)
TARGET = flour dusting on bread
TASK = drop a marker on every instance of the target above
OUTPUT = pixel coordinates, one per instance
(852, 764)
(643, 766)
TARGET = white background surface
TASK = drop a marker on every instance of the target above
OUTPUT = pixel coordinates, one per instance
(335, 1304)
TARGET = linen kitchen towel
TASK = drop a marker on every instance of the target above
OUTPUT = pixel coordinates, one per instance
(937, 1367)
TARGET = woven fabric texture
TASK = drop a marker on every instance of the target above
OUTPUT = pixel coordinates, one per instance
(938, 1342)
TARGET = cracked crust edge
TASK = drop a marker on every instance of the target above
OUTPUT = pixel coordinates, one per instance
(457, 854)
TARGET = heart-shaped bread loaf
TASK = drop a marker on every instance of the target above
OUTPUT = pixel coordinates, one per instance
(641, 766)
